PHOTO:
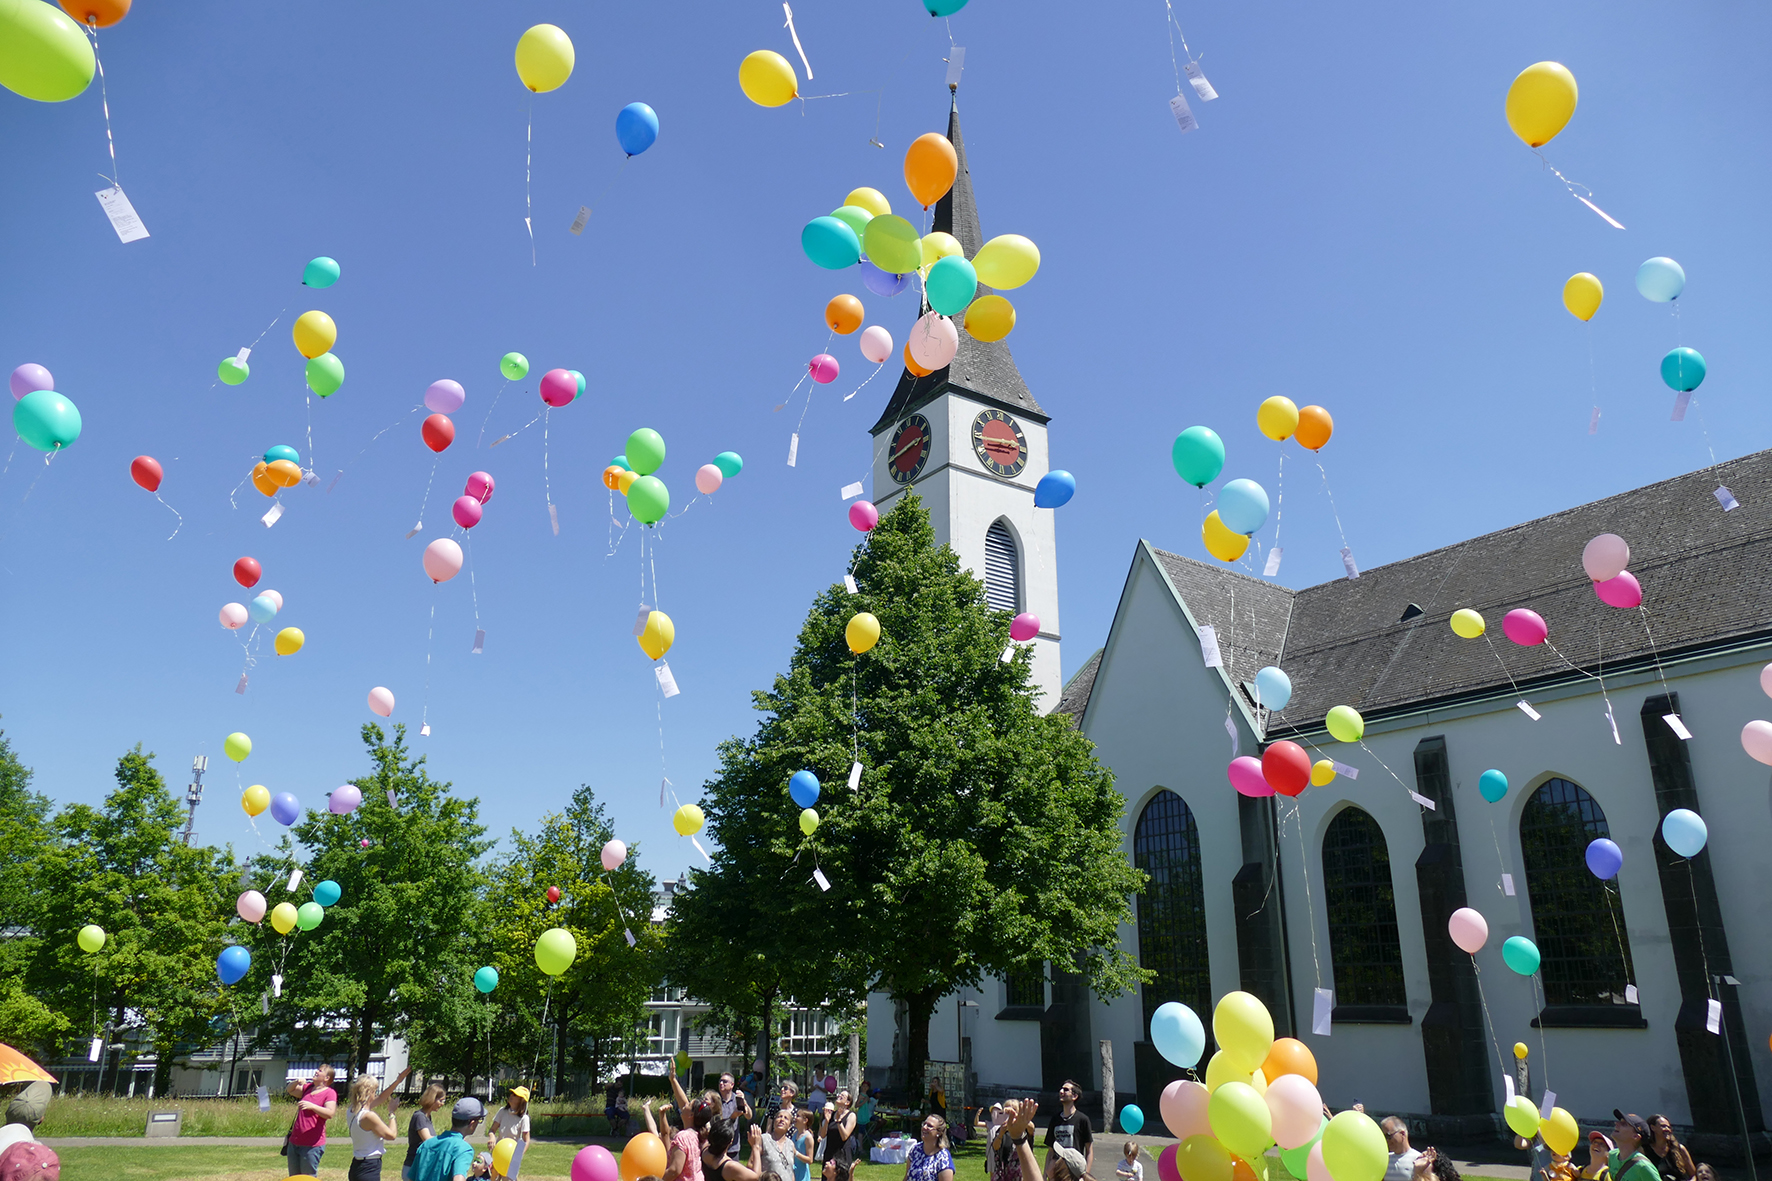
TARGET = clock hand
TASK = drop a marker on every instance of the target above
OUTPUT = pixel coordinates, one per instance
(903, 449)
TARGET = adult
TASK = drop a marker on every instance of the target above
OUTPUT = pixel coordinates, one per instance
(716, 1165)
(511, 1122)
(419, 1128)
(938, 1099)
(733, 1104)
(1628, 1161)
(370, 1133)
(788, 1097)
(616, 1112)
(840, 1140)
(1062, 1164)
(930, 1158)
(777, 1147)
(1666, 1153)
(1070, 1128)
(683, 1147)
(1406, 1163)
(1003, 1159)
(450, 1156)
(29, 1103)
(315, 1103)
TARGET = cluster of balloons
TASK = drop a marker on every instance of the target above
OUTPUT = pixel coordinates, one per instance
(1756, 736)
(279, 469)
(285, 808)
(630, 474)
(1605, 558)
(803, 786)
(843, 315)
(315, 334)
(561, 387)
(1660, 280)
(555, 950)
(709, 476)
(263, 608)
(1198, 458)
(470, 506)
(44, 53)
(43, 418)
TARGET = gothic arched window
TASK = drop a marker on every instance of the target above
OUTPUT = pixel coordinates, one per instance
(1002, 569)
(1363, 946)
(1577, 919)
(1172, 906)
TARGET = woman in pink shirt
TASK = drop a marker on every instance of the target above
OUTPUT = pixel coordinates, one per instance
(315, 1103)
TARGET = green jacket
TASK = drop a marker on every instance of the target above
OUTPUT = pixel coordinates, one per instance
(1637, 1168)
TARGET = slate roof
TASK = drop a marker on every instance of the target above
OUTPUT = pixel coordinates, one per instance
(1075, 694)
(982, 369)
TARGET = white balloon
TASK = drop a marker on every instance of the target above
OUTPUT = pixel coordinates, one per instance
(233, 615)
(876, 344)
(273, 596)
(381, 701)
(442, 559)
(934, 341)
(614, 853)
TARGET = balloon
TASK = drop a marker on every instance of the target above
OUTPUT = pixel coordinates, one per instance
(872, 200)
(1322, 773)
(232, 964)
(544, 58)
(90, 938)
(1684, 831)
(1244, 1029)
(1604, 858)
(1520, 1051)
(1345, 723)
(1605, 557)
(644, 1156)
(1493, 785)
(1289, 1056)
(1297, 1160)
(442, 560)
(612, 477)
(658, 635)
(1522, 1116)
(275, 598)
(910, 363)
(1756, 740)
(855, 218)
(1243, 506)
(646, 451)
(247, 571)
(929, 169)
(289, 641)
(769, 81)
(479, 486)
(636, 128)
(808, 821)
(285, 808)
(943, 7)
(44, 55)
(514, 366)
(29, 377)
(1559, 1132)
(263, 609)
(951, 285)
(314, 333)
(283, 918)
(803, 788)
(250, 906)
(1296, 1110)
(823, 368)
(327, 893)
(1766, 680)
(708, 479)
(555, 951)
(326, 373)
(320, 272)
(146, 471)
(843, 313)
(881, 282)
(1314, 428)
(1055, 489)
(863, 515)
(444, 397)
(1539, 103)
(1179, 1036)
(1007, 261)
(553, 894)
(1469, 930)
(876, 344)
(343, 801)
(1683, 369)
(830, 243)
(1582, 295)
(1468, 624)
(990, 318)
(1623, 592)
(939, 245)
(1661, 279)
(648, 499)
(309, 915)
(1241, 1119)
(1354, 1148)
(237, 746)
(730, 463)
(625, 480)
(1520, 954)
(892, 244)
(558, 387)
(1277, 418)
(1202, 1158)
(1273, 688)
(1131, 1119)
(862, 632)
(467, 511)
(614, 853)
(282, 451)
(1184, 1103)
(594, 1162)
(486, 979)
(1222, 542)
(1524, 627)
(687, 820)
(255, 799)
(46, 420)
(233, 616)
(233, 371)
(1286, 768)
(1025, 626)
(1245, 775)
(283, 473)
(1198, 455)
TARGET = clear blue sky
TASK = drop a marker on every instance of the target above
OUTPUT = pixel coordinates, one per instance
(1352, 225)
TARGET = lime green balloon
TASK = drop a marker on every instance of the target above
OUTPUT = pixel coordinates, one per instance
(515, 366)
(1346, 725)
(43, 53)
(233, 371)
(892, 244)
(90, 938)
(325, 374)
(308, 915)
(648, 499)
(237, 746)
(1354, 1148)
(555, 950)
(855, 217)
(1295, 1159)
(809, 821)
(1241, 1120)
(646, 451)
(1521, 1115)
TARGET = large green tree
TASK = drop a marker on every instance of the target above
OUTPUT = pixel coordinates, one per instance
(25, 1021)
(984, 838)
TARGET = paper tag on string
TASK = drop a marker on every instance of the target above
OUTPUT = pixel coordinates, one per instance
(1526, 709)
(424, 731)
(666, 681)
(1507, 1084)
(1507, 884)
(1593, 422)
(1322, 1010)
(264, 1008)
(1424, 801)
(336, 479)
(1344, 769)
(270, 518)
(956, 65)
(415, 531)
(1209, 647)
(1347, 563)
(479, 648)
(516, 1160)
(1613, 722)
(242, 355)
(854, 776)
(1677, 726)
(129, 227)
(393, 798)
(1008, 654)
(312, 478)
(641, 619)
(294, 880)
(241, 687)
(277, 984)
(1230, 727)
(98, 1043)
(1713, 1016)
(849, 584)
(1273, 562)
(701, 850)
(1544, 1105)
(824, 883)
(264, 1093)
(498, 440)
(1726, 499)
(1184, 118)
(1630, 994)
(1202, 87)
(1610, 220)
(554, 518)
(794, 449)
(582, 220)
(630, 936)
(1682, 400)
(850, 490)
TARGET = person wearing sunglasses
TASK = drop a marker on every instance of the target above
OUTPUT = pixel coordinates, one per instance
(1070, 1128)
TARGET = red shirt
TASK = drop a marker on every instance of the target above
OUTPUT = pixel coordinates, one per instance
(310, 1126)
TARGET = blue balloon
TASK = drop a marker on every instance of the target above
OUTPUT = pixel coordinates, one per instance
(1055, 489)
(1493, 785)
(263, 609)
(285, 808)
(951, 284)
(830, 243)
(328, 892)
(233, 964)
(1242, 506)
(580, 378)
(943, 7)
(803, 787)
(1131, 1119)
(1685, 832)
(1661, 279)
(1604, 858)
(1683, 369)
(283, 451)
(1177, 1033)
(882, 282)
(1273, 687)
(636, 127)
(486, 979)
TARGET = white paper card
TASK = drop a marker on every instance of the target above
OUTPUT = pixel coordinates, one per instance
(1726, 498)
(1322, 1006)
(1593, 422)
(1713, 1016)
(517, 1157)
(1731, 981)
(1677, 726)
(241, 687)
(415, 531)
(702, 851)
(1544, 1105)
(1630, 994)
(956, 63)
(582, 220)
(1423, 801)
(794, 449)
(242, 355)
(277, 985)
(270, 518)
(393, 798)
(854, 776)
(129, 227)
(1507, 884)
(1507, 1084)
(824, 883)
(1527, 709)
(630, 936)
(554, 518)
(664, 785)
(294, 881)
(666, 681)
(1202, 87)
(1008, 654)
(98, 1043)
(850, 490)
(1344, 769)
(1230, 727)
(1184, 118)
(264, 1098)
(1347, 563)
(1613, 722)
(424, 731)
(1681, 401)
(640, 619)
(1209, 648)
(264, 1008)
(849, 584)
(1610, 220)
(479, 648)
(335, 480)
(1273, 562)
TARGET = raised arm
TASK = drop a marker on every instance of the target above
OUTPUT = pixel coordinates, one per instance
(375, 1123)
(389, 1089)
(1020, 1133)
(680, 1096)
(651, 1123)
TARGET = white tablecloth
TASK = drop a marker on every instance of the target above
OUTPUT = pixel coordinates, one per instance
(889, 1156)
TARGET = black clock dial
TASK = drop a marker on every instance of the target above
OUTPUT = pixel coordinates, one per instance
(999, 443)
(909, 449)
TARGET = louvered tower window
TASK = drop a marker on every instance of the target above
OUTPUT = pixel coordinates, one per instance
(1002, 570)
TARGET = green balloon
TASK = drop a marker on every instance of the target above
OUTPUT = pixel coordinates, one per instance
(43, 54)
(555, 951)
(45, 419)
(232, 371)
(648, 499)
(646, 450)
(621, 461)
(1295, 1158)
(892, 245)
(90, 938)
(808, 821)
(308, 915)
(515, 366)
(325, 374)
(1198, 455)
(730, 464)
(855, 217)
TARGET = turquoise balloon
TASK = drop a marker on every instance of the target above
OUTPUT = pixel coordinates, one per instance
(1683, 369)
(486, 979)
(1661, 279)
(1131, 1119)
(621, 461)
(943, 7)
(322, 272)
(648, 499)
(1243, 506)
(951, 284)
(1198, 456)
(1493, 785)
(325, 374)
(328, 892)
(580, 378)
(1520, 954)
(730, 464)
(283, 451)
(46, 420)
(830, 243)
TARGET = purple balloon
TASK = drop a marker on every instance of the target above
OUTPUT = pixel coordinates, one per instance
(29, 378)
(345, 800)
(878, 281)
(445, 397)
(285, 808)
(1604, 858)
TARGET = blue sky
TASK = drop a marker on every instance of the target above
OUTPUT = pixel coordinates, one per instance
(1352, 225)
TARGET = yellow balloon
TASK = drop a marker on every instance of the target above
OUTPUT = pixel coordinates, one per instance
(1221, 1068)
(863, 632)
(658, 636)
(1322, 773)
(1277, 417)
(544, 58)
(1239, 1117)
(314, 333)
(769, 81)
(808, 821)
(990, 317)
(625, 481)
(1468, 623)
(1258, 1080)
(255, 799)
(937, 246)
(1203, 1158)
(1582, 295)
(687, 820)
(1520, 1050)
(1006, 261)
(501, 1156)
(1221, 543)
(1559, 1132)
(1244, 1029)
(872, 200)
(283, 918)
(1540, 102)
(289, 641)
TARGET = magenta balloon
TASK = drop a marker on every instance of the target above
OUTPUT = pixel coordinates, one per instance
(1167, 1169)
(1620, 591)
(442, 559)
(863, 515)
(1024, 626)
(479, 486)
(934, 341)
(708, 479)
(29, 378)
(558, 387)
(595, 1163)
(876, 344)
(445, 397)
(251, 906)
(1605, 557)
(824, 368)
(1296, 1108)
(1524, 627)
(1756, 740)
(1184, 1108)
(614, 853)
(466, 511)
(1468, 929)
(1245, 775)
(345, 800)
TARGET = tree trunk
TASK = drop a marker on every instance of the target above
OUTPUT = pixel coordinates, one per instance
(163, 1068)
(768, 1035)
(365, 1030)
(922, 1007)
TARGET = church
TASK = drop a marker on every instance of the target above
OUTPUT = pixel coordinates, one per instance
(1654, 992)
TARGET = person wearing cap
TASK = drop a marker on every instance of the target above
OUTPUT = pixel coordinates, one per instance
(1598, 1146)
(1063, 1163)
(1627, 1161)
(511, 1121)
(449, 1156)
(27, 1160)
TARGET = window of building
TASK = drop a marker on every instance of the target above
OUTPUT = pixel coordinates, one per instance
(1362, 906)
(1025, 990)
(661, 1032)
(1002, 570)
(807, 1032)
(1577, 920)
(1172, 906)
(666, 994)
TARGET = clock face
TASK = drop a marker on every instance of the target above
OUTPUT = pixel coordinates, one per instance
(1000, 445)
(909, 449)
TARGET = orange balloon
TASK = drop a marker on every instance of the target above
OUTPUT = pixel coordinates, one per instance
(1240, 1169)
(612, 477)
(283, 473)
(1314, 427)
(103, 13)
(261, 479)
(929, 168)
(1289, 1056)
(843, 314)
(644, 1156)
(913, 366)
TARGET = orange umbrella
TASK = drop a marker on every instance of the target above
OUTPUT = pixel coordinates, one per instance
(16, 1068)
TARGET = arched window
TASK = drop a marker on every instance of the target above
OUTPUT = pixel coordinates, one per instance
(1002, 570)
(1577, 920)
(1362, 905)
(1172, 906)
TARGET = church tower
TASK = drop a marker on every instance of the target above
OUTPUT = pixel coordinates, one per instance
(971, 440)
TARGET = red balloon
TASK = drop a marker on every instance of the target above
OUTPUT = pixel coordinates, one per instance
(247, 572)
(438, 431)
(553, 893)
(145, 470)
(1286, 767)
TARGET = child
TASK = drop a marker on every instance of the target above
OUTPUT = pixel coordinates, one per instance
(1130, 1167)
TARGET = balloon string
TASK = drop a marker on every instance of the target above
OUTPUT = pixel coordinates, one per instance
(1173, 26)
(473, 587)
(309, 399)
(174, 512)
(1279, 497)
(814, 387)
(863, 385)
(425, 716)
(516, 432)
(427, 498)
(547, 487)
(1543, 1052)
(528, 157)
(482, 437)
(1332, 510)
(1488, 1021)
(1572, 185)
(1593, 383)
(378, 434)
(1503, 664)
(1310, 911)
(1387, 770)
(1662, 673)
(104, 100)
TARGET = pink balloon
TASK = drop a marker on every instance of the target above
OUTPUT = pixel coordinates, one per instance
(442, 559)
(876, 344)
(446, 397)
(1297, 1110)
(1605, 557)
(863, 515)
(274, 597)
(250, 906)
(479, 486)
(934, 341)
(28, 378)
(345, 800)
(614, 853)
(381, 702)
(1245, 775)
(233, 615)
(1183, 1105)
(595, 1163)
(1622, 590)
(1024, 626)
(824, 368)
(1766, 680)
(1468, 929)
(558, 387)
(466, 511)
(1756, 740)
(708, 479)
(1524, 627)
(1167, 1170)
(1314, 1168)
(830, 1082)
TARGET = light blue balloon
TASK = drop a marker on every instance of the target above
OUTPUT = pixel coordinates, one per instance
(283, 451)
(1683, 369)
(1131, 1119)
(1273, 687)
(262, 609)
(830, 243)
(636, 127)
(1177, 1033)
(951, 284)
(1055, 489)
(328, 892)
(1685, 832)
(1242, 506)
(1661, 279)
(803, 787)
(1493, 785)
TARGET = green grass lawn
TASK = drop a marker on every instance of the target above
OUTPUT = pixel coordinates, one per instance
(104, 1115)
(541, 1162)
